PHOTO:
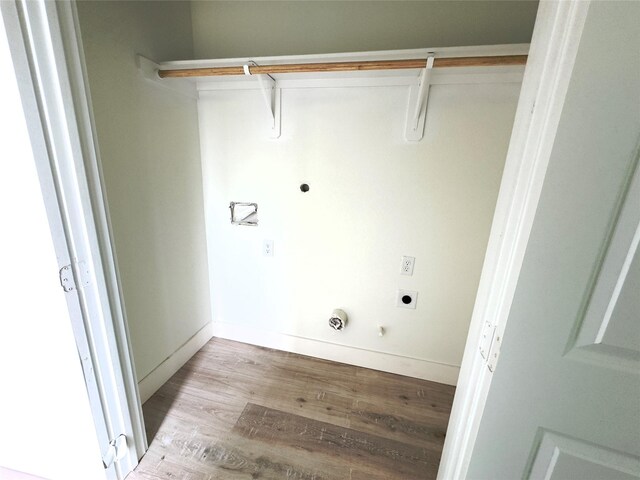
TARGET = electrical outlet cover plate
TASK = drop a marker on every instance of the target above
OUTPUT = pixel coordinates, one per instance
(406, 267)
(406, 299)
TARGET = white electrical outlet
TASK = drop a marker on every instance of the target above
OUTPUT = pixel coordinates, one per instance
(406, 299)
(267, 248)
(406, 267)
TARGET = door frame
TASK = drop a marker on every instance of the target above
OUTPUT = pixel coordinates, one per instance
(552, 55)
(45, 44)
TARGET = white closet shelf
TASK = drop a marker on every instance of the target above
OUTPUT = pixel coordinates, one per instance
(416, 68)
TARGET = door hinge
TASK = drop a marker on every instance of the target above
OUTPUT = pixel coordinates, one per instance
(116, 450)
(67, 277)
(490, 345)
(67, 280)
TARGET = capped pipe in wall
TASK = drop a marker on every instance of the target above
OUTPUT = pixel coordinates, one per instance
(338, 320)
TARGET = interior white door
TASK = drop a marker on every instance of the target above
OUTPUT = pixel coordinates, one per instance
(43, 38)
(564, 402)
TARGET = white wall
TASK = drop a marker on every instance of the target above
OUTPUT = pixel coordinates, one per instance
(227, 29)
(373, 198)
(46, 428)
(149, 148)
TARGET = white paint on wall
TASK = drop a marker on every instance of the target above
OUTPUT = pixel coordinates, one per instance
(163, 372)
(149, 149)
(373, 198)
(46, 428)
(227, 29)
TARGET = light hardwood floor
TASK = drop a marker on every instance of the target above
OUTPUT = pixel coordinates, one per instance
(237, 411)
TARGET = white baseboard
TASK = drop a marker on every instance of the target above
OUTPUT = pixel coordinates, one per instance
(163, 372)
(386, 362)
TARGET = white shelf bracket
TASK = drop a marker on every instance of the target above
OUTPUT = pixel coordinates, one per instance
(417, 106)
(271, 95)
(148, 69)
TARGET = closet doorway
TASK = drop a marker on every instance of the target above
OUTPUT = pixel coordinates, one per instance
(176, 153)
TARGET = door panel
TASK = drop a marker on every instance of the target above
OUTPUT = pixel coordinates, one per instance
(564, 402)
(609, 332)
(560, 458)
(623, 331)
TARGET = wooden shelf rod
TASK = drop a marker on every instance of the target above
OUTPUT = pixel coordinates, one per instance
(492, 61)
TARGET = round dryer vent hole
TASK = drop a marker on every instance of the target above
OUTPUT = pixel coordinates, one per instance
(406, 299)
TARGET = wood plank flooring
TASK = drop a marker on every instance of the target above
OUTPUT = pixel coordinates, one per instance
(237, 411)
